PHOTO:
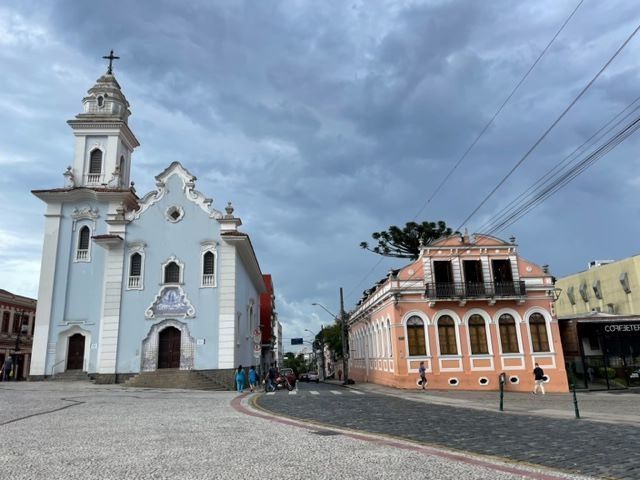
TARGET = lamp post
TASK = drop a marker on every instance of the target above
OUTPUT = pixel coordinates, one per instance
(343, 335)
(21, 330)
(321, 334)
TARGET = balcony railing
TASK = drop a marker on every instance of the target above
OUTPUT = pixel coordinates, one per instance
(82, 255)
(135, 282)
(472, 290)
(208, 280)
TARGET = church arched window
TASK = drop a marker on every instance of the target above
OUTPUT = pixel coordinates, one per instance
(95, 166)
(208, 269)
(172, 273)
(136, 269)
(84, 242)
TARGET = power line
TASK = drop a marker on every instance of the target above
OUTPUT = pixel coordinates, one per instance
(497, 112)
(557, 170)
(562, 181)
(479, 136)
(551, 127)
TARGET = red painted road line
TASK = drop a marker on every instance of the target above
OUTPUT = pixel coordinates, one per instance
(236, 404)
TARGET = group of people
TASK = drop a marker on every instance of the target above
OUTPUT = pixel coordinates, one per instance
(241, 378)
(254, 378)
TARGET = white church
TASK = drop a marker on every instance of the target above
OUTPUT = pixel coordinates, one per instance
(130, 284)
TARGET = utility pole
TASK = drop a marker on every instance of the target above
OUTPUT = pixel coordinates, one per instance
(344, 336)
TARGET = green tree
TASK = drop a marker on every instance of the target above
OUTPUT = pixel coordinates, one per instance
(331, 337)
(296, 362)
(405, 242)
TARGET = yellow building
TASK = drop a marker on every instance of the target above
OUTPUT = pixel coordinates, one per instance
(606, 286)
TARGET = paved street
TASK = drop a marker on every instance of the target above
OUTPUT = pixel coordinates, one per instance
(56, 430)
(584, 446)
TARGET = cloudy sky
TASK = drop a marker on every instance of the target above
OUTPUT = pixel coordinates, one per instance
(326, 121)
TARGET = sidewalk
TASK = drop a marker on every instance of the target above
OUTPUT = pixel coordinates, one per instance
(608, 407)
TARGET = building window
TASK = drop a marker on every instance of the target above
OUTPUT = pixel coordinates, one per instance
(208, 269)
(82, 252)
(100, 101)
(415, 336)
(95, 166)
(571, 295)
(447, 336)
(478, 335)
(597, 290)
(508, 334)
(172, 273)
(16, 322)
(583, 292)
(135, 271)
(539, 337)
(5, 322)
(624, 281)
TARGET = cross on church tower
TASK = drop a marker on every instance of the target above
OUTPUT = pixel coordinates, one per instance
(111, 57)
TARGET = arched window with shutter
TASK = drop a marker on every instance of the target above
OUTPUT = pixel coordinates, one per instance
(447, 336)
(539, 336)
(478, 335)
(172, 273)
(208, 269)
(416, 337)
(136, 270)
(508, 334)
(95, 166)
(84, 239)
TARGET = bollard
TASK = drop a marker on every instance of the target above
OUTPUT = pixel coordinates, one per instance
(502, 380)
(575, 401)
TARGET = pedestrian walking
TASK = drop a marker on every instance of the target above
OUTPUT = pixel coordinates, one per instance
(271, 378)
(7, 366)
(240, 379)
(253, 378)
(422, 371)
(538, 377)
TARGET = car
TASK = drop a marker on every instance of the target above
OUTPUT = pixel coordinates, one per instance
(288, 372)
(303, 377)
(313, 377)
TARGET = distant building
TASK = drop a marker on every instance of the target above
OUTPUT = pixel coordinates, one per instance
(607, 287)
(599, 315)
(129, 284)
(469, 309)
(268, 324)
(17, 314)
(279, 352)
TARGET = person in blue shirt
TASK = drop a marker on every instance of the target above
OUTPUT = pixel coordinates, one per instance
(253, 378)
(240, 379)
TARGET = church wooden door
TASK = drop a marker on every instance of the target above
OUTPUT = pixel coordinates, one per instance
(75, 353)
(169, 348)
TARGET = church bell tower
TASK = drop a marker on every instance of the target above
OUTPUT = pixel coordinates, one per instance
(103, 140)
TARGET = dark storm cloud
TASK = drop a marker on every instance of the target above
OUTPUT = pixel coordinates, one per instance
(326, 121)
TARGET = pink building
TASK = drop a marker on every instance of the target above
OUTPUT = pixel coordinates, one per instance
(470, 309)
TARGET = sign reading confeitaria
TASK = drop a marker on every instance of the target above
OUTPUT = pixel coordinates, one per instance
(617, 327)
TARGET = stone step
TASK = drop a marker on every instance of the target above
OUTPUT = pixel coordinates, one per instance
(173, 378)
(72, 376)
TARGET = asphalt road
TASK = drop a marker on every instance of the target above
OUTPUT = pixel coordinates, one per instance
(582, 446)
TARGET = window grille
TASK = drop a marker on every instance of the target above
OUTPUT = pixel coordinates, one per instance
(172, 273)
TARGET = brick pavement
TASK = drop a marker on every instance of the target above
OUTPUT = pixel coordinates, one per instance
(582, 446)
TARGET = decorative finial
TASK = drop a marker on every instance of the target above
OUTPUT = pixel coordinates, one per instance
(111, 57)
(512, 239)
(229, 209)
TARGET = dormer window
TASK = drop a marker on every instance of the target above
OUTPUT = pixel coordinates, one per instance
(100, 101)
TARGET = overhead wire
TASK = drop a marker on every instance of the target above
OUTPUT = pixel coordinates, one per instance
(550, 128)
(557, 170)
(478, 137)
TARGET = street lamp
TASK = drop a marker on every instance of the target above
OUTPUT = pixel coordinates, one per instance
(343, 335)
(22, 329)
(321, 340)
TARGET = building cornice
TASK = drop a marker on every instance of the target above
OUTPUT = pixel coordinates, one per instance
(90, 126)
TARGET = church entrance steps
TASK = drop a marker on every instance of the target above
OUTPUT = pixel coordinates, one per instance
(71, 376)
(175, 378)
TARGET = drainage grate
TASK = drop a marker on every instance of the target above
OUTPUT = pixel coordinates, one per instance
(326, 433)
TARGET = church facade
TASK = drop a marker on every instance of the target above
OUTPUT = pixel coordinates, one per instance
(132, 284)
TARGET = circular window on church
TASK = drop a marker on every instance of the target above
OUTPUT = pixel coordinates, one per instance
(174, 214)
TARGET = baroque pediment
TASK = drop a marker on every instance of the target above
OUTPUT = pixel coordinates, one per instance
(188, 187)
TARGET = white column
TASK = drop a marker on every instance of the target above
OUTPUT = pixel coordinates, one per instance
(227, 313)
(45, 290)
